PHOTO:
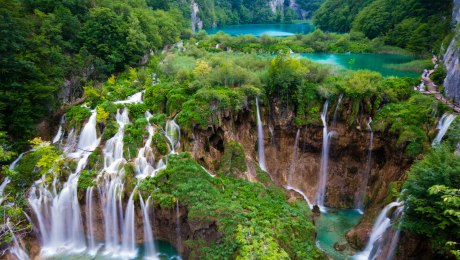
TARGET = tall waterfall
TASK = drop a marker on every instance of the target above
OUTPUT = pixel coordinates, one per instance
(363, 187)
(58, 135)
(321, 190)
(58, 214)
(260, 139)
(443, 126)
(128, 245)
(145, 157)
(150, 252)
(382, 225)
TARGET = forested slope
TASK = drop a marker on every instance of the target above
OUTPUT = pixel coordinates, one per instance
(50, 44)
(417, 25)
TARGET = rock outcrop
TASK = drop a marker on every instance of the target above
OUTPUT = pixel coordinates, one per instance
(452, 59)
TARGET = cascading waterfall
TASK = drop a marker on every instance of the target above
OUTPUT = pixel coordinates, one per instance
(260, 139)
(89, 221)
(58, 214)
(145, 157)
(16, 249)
(128, 246)
(382, 224)
(136, 98)
(302, 194)
(443, 126)
(395, 238)
(58, 135)
(363, 187)
(150, 252)
(172, 133)
(334, 118)
(324, 160)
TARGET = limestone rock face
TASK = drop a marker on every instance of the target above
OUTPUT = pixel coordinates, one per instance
(452, 60)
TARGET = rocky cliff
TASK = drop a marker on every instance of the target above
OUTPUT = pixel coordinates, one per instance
(452, 59)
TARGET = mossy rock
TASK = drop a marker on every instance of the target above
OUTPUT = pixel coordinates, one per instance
(233, 162)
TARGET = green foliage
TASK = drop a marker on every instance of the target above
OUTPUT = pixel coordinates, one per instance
(233, 162)
(134, 136)
(410, 121)
(250, 216)
(160, 142)
(432, 198)
(86, 180)
(76, 115)
(416, 25)
(439, 75)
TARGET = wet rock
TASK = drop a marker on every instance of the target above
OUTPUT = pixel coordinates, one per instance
(340, 246)
(358, 236)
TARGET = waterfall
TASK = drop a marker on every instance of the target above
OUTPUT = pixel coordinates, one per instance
(382, 224)
(128, 246)
(172, 133)
(294, 157)
(363, 186)
(58, 214)
(136, 98)
(178, 232)
(443, 126)
(395, 238)
(150, 252)
(89, 222)
(324, 160)
(58, 135)
(16, 249)
(145, 157)
(302, 194)
(260, 139)
(334, 118)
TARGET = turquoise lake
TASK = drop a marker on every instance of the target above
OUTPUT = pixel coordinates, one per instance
(275, 30)
(368, 61)
(331, 228)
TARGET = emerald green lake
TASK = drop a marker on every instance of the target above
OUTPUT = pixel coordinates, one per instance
(367, 61)
(331, 228)
(275, 30)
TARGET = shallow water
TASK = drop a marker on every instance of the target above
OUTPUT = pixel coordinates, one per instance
(369, 61)
(331, 228)
(275, 30)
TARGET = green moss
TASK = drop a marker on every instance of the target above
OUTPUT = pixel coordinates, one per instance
(235, 205)
(130, 178)
(160, 143)
(76, 115)
(86, 180)
(110, 130)
(233, 162)
(134, 137)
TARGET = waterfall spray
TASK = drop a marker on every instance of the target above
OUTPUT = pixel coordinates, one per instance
(150, 252)
(443, 126)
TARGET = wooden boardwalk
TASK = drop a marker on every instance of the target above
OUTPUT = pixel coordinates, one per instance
(432, 91)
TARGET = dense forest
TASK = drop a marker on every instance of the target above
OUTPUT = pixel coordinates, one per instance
(50, 49)
(221, 12)
(417, 25)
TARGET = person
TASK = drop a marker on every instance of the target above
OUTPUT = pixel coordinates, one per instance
(425, 73)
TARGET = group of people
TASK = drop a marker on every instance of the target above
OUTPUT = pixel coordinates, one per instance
(426, 74)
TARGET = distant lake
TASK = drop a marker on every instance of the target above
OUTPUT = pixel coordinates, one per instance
(275, 30)
(368, 61)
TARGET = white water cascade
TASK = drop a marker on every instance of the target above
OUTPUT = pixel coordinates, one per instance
(150, 252)
(16, 249)
(145, 158)
(89, 222)
(321, 190)
(260, 139)
(58, 214)
(302, 194)
(136, 98)
(382, 224)
(172, 133)
(362, 191)
(443, 126)
(58, 135)
(128, 245)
